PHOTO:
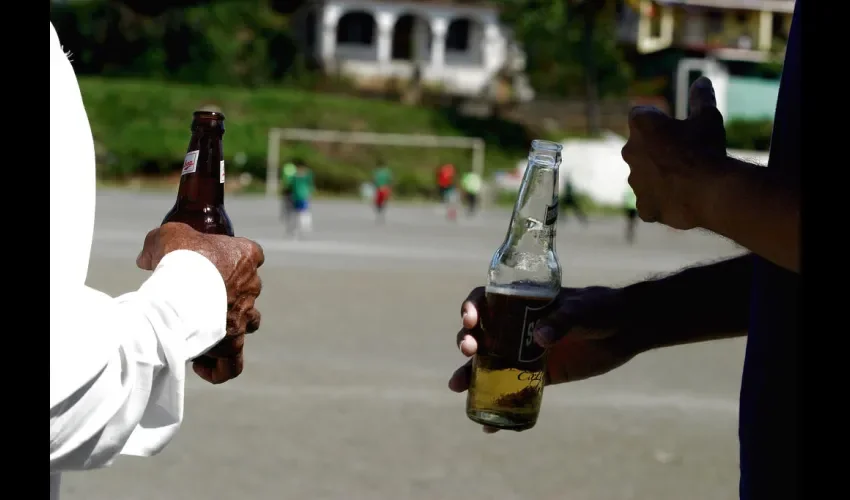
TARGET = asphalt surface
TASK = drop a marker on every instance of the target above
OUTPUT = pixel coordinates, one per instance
(344, 393)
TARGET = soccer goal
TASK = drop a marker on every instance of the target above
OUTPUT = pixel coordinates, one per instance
(278, 135)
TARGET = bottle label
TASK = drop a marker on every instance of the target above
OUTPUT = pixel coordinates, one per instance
(509, 326)
(221, 172)
(190, 162)
(552, 213)
(529, 350)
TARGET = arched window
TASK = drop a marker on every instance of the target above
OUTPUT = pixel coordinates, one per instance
(356, 28)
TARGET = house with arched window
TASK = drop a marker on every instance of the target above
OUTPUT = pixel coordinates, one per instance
(457, 45)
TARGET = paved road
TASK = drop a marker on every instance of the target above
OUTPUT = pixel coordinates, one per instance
(344, 393)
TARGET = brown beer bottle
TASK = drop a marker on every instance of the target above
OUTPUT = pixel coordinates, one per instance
(508, 371)
(200, 197)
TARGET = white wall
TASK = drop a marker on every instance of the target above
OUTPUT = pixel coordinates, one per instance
(461, 73)
(597, 169)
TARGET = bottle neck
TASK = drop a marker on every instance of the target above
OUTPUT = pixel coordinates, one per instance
(535, 214)
(202, 177)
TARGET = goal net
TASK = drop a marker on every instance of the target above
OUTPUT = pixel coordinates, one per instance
(278, 136)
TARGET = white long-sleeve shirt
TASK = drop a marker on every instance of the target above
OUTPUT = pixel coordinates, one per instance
(117, 365)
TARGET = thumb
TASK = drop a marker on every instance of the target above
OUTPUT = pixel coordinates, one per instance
(555, 326)
(145, 258)
(705, 117)
(552, 330)
(583, 313)
(701, 97)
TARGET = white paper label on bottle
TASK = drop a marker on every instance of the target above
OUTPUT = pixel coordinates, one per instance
(190, 162)
(221, 172)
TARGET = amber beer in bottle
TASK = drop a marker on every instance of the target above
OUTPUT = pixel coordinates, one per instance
(200, 197)
(508, 371)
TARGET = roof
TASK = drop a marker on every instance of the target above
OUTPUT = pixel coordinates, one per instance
(466, 3)
(786, 6)
(445, 3)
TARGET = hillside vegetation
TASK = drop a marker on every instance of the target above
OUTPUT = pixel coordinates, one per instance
(142, 127)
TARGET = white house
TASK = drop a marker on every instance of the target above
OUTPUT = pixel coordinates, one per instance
(459, 46)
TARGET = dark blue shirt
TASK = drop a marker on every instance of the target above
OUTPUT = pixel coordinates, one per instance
(767, 426)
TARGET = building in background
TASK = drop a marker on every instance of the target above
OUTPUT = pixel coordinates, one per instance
(456, 46)
(733, 30)
(727, 40)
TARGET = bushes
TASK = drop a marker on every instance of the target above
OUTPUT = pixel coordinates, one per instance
(222, 42)
(143, 128)
(753, 135)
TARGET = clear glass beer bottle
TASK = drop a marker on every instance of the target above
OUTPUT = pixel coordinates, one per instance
(508, 371)
(200, 197)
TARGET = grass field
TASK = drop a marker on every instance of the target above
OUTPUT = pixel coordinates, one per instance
(144, 126)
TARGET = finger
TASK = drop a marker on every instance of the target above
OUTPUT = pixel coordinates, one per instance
(260, 255)
(466, 342)
(237, 315)
(583, 313)
(237, 322)
(648, 212)
(228, 347)
(645, 119)
(250, 290)
(547, 334)
(701, 97)
(469, 318)
(555, 325)
(459, 381)
(253, 320)
(489, 430)
(644, 198)
(246, 285)
(220, 370)
(471, 307)
(145, 258)
(254, 251)
(231, 367)
(629, 152)
(227, 369)
(258, 284)
(637, 113)
(204, 366)
(705, 119)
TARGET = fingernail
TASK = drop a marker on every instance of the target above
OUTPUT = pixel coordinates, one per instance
(544, 335)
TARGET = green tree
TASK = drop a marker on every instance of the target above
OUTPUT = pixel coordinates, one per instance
(572, 49)
(230, 42)
(588, 11)
(227, 42)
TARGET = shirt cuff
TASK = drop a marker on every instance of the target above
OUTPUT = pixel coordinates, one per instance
(190, 285)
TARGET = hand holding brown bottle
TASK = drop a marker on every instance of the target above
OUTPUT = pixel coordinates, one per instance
(237, 259)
